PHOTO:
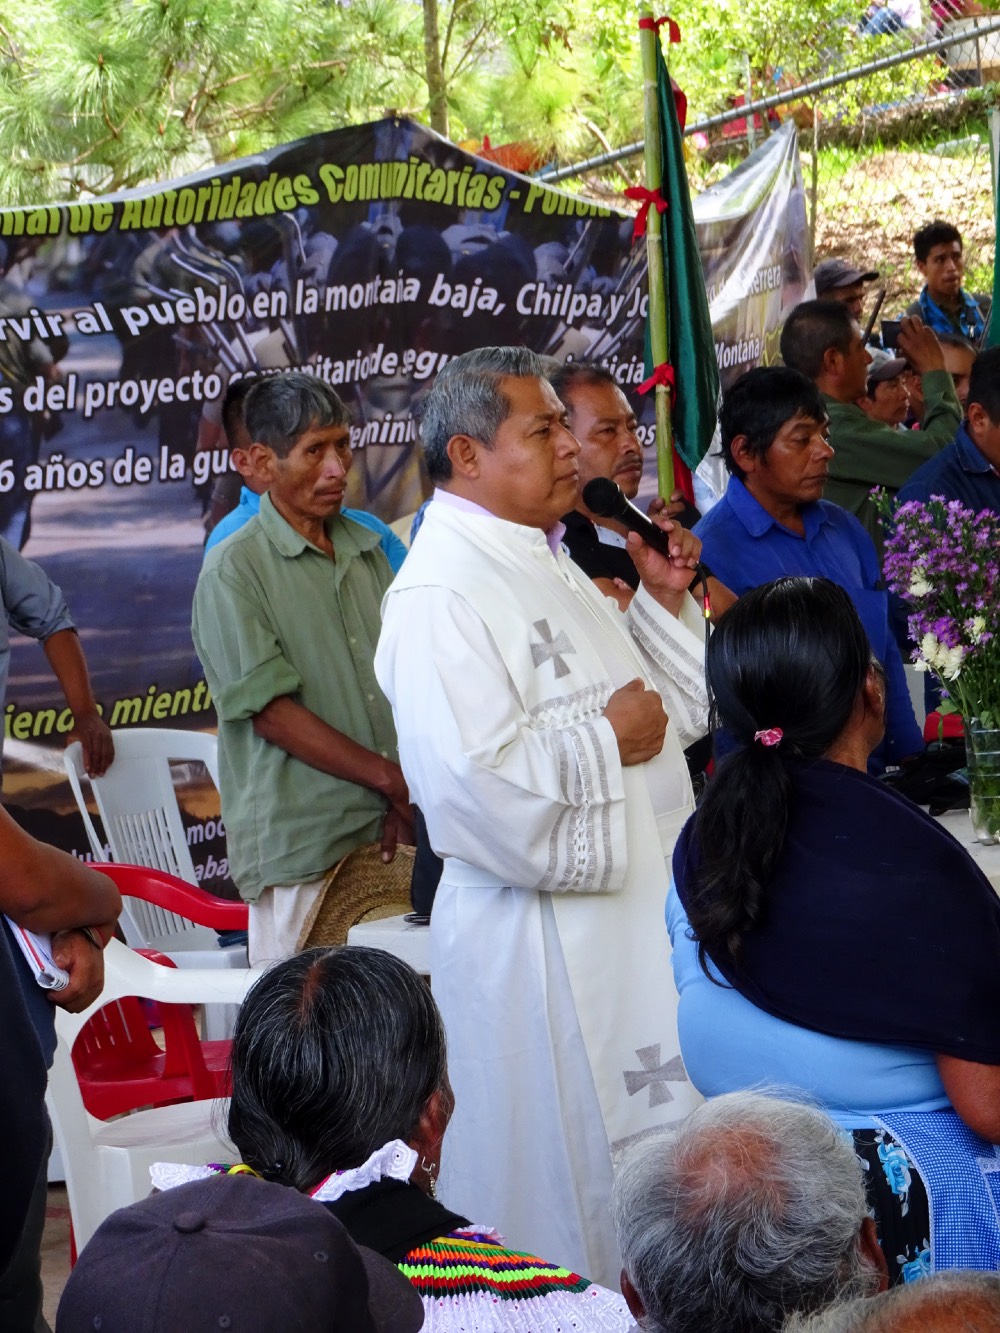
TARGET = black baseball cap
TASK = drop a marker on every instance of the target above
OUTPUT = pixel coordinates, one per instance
(884, 366)
(832, 273)
(236, 1254)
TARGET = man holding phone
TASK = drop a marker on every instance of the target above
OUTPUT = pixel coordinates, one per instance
(823, 341)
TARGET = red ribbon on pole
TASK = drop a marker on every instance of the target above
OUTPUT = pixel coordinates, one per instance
(662, 374)
(650, 198)
(673, 32)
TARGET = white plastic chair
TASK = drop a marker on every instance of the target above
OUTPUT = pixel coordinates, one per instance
(106, 1163)
(915, 684)
(397, 936)
(142, 822)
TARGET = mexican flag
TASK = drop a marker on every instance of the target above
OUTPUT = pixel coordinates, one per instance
(689, 338)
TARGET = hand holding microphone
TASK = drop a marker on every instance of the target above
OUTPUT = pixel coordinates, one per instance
(607, 499)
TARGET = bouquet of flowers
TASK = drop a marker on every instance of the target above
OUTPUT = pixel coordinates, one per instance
(944, 561)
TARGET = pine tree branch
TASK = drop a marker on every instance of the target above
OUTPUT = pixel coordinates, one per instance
(456, 9)
(470, 47)
(603, 141)
(11, 46)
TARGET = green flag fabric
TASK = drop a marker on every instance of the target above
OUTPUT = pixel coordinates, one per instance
(689, 326)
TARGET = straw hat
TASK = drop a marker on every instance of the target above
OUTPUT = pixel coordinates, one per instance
(361, 887)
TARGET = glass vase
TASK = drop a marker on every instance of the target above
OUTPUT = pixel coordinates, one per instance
(982, 747)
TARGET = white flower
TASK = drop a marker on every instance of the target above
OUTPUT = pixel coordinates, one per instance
(919, 587)
(952, 664)
(977, 627)
(931, 650)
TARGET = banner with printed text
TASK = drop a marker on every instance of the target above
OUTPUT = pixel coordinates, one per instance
(368, 256)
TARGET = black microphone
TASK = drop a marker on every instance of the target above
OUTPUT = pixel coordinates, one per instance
(605, 497)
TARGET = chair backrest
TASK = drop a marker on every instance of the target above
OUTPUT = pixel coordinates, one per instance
(120, 1066)
(96, 1184)
(118, 1029)
(142, 823)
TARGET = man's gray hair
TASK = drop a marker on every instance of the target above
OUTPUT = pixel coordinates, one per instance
(466, 399)
(749, 1211)
(957, 1301)
(280, 409)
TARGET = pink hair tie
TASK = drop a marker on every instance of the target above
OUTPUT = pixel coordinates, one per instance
(770, 736)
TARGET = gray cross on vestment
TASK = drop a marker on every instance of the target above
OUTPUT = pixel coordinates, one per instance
(550, 647)
(654, 1076)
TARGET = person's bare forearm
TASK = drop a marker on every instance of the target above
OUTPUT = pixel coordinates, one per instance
(46, 890)
(974, 1091)
(65, 654)
(292, 727)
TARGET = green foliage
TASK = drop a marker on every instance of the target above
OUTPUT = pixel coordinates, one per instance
(100, 95)
(97, 95)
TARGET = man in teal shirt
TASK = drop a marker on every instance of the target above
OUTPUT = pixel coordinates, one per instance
(823, 341)
(286, 620)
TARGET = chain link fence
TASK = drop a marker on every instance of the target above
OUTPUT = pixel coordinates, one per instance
(886, 146)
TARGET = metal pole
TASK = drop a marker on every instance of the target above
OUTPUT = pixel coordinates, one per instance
(751, 136)
(553, 174)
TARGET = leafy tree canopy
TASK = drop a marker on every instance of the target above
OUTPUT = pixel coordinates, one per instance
(100, 95)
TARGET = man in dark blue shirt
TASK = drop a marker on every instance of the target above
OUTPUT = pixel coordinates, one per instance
(773, 522)
(969, 469)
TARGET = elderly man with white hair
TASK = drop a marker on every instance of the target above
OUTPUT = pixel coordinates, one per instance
(959, 1301)
(752, 1210)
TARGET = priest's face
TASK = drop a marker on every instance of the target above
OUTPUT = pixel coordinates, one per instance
(602, 420)
(529, 474)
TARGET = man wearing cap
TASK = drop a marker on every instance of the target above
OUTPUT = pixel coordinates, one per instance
(233, 1252)
(886, 399)
(837, 280)
(823, 341)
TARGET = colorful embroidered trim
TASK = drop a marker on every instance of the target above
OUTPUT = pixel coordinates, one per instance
(461, 1264)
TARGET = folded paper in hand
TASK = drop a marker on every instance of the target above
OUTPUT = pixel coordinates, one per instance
(37, 949)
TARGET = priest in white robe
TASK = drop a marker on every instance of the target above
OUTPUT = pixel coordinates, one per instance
(541, 731)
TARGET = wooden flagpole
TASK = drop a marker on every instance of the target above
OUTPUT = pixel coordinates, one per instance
(657, 313)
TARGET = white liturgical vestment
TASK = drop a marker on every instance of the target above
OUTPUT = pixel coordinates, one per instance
(549, 953)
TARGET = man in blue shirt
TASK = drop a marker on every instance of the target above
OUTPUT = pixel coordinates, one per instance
(773, 522)
(943, 304)
(969, 469)
(249, 503)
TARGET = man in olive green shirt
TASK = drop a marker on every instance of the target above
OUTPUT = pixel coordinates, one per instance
(823, 341)
(286, 622)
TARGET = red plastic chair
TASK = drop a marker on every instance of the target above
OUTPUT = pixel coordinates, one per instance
(176, 895)
(119, 1065)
